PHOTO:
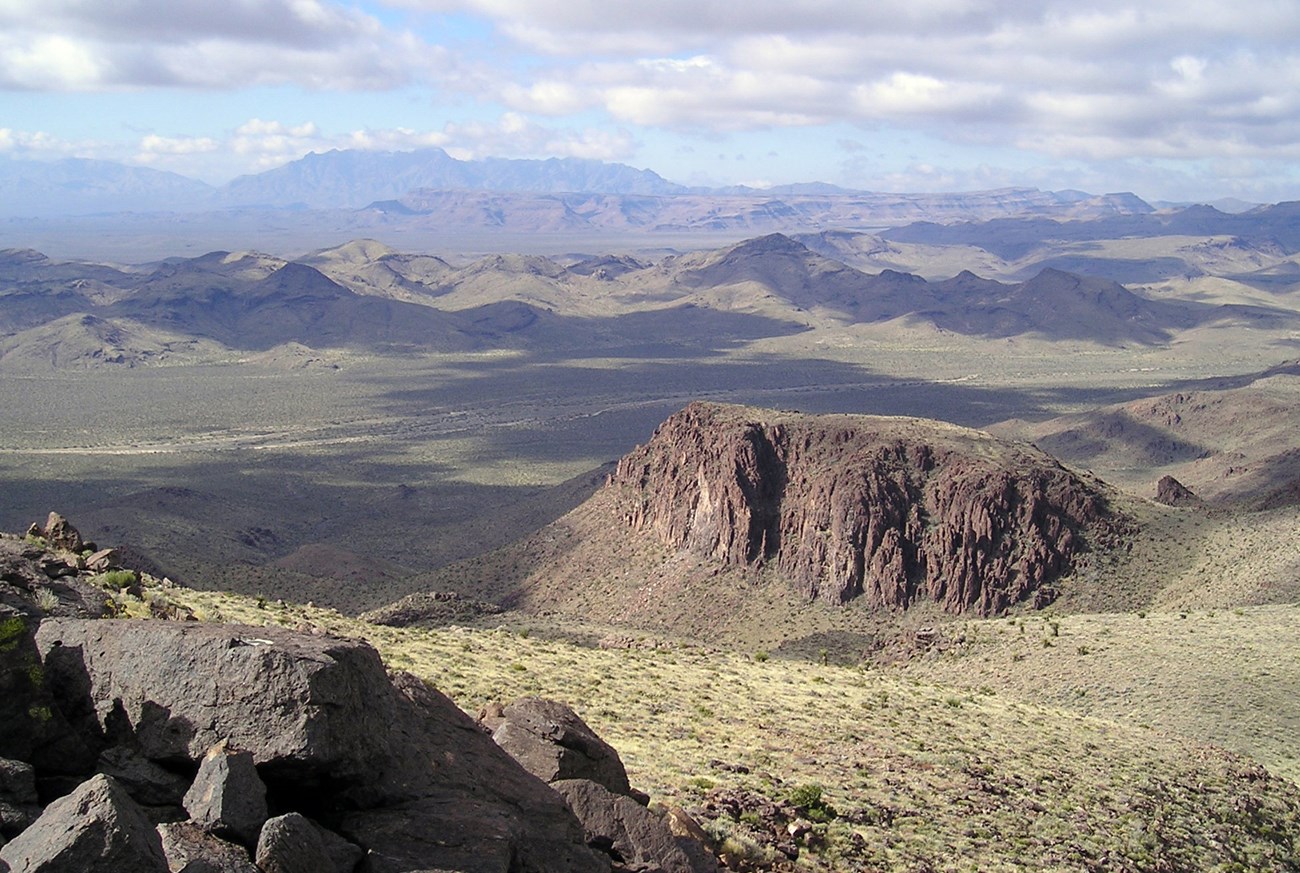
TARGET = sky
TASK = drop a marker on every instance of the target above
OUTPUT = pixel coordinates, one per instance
(1181, 100)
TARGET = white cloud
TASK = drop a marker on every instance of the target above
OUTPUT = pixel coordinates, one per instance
(514, 135)
(1162, 78)
(153, 145)
(42, 145)
(57, 45)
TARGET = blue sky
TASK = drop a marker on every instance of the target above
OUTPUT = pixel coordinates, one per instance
(1185, 100)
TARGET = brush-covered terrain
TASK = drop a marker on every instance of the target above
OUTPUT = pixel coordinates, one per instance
(1013, 588)
(910, 766)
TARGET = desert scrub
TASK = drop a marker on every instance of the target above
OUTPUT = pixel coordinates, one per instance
(46, 600)
(114, 580)
(12, 631)
(810, 799)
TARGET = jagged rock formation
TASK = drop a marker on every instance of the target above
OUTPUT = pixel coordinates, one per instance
(893, 510)
(1171, 492)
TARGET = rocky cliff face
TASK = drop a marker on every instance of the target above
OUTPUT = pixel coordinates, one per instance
(893, 510)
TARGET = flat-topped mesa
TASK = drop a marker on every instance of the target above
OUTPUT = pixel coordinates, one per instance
(896, 510)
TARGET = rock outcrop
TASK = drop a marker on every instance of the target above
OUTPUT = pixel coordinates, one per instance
(390, 766)
(1171, 492)
(552, 742)
(632, 834)
(893, 510)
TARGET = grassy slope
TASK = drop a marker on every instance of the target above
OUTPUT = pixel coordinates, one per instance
(1223, 676)
(929, 776)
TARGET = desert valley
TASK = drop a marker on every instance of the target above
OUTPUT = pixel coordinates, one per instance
(874, 532)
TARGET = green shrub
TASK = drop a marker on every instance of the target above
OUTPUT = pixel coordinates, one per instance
(809, 799)
(114, 580)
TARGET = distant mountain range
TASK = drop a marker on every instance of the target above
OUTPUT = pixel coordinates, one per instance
(418, 182)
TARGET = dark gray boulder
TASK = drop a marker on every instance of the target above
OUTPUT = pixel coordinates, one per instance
(391, 764)
(228, 798)
(22, 694)
(32, 729)
(552, 742)
(632, 834)
(292, 844)
(97, 828)
(190, 849)
(149, 784)
(459, 822)
(19, 805)
(343, 854)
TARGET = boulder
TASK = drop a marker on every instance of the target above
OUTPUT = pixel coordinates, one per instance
(292, 844)
(389, 763)
(19, 805)
(461, 822)
(343, 854)
(103, 560)
(97, 828)
(190, 849)
(21, 692)
(60, 534)
(148, 783)
(552, 742)
(31, 727)
(228, 798)
(633, 835)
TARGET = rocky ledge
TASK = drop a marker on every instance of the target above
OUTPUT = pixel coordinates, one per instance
(150, 746)
(894, 510)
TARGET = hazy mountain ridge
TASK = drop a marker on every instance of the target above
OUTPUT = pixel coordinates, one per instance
(420, 181)
(1013, 237)
(79, 185)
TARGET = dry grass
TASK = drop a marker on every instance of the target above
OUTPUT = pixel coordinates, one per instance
(927, 776)
(1226, 676)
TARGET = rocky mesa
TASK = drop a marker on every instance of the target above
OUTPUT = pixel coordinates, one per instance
(894, 510)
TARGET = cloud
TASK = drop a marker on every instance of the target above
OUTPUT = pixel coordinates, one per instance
(40, 144)
(1165, 78)
(513, 135)
(52, 45)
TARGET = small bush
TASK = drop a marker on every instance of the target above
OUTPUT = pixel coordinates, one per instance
(811, 801)
(114, 580)
(46, 600)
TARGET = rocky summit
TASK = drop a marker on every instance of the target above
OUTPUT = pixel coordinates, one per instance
(894, 510)
(157, 745)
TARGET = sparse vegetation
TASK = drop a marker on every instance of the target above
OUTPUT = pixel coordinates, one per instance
(918, 780)
(46, 600)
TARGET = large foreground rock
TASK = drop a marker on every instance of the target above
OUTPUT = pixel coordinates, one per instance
(392, 765)
(96, 829)
(191, 849)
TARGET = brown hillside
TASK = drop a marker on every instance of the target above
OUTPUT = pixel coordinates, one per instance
(729, 514)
